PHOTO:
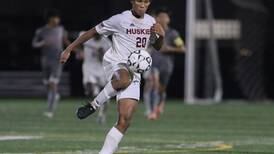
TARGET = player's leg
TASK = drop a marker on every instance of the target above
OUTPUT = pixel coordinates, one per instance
(147, 93)
(155, 95)
(126, 108)
(46, 71)
(162, 98)
(53, 95)
(121, 79)
(88, 89)
(48, 112)
(164, 80)
(91, 89)
(127, 104)
(87, 79)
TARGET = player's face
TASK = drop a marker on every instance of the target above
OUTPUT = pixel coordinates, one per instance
(164, 19)
(55, 20)
(140, 6)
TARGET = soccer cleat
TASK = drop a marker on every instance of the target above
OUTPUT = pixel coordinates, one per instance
(84, 111)
(48, 114)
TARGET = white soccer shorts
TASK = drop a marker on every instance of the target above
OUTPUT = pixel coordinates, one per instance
(133, 90)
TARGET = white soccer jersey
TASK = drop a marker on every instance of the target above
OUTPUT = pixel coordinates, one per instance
(128, 34)
(94, 48)
(92, 66)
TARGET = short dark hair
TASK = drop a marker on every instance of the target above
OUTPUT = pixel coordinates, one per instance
(162, 10)
(134, 0)
(51, 13)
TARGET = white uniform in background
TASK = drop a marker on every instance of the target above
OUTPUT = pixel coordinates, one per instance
(128, 34)
(93, 72)
(92, 65)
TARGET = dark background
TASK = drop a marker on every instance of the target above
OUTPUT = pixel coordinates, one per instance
(19, 19)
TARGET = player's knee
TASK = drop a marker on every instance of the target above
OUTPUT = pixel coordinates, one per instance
(124, 81)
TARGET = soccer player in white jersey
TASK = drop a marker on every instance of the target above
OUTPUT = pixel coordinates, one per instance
(131, 30)
(94, 81)
(93, 51)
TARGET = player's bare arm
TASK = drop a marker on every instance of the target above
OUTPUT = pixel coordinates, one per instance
(83, 38)
(67, 42)
(177, 49)
(173, 49)
(158, 29)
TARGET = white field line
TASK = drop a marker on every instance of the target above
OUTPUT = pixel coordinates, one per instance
(11, 138)
(164, 149)
(179, 148)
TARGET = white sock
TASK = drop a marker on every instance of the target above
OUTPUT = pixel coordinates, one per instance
(104, 95)
(112, 141)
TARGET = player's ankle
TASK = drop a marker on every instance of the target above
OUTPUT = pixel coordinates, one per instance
(94, 104)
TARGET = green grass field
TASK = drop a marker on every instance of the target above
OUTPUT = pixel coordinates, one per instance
(228, 128)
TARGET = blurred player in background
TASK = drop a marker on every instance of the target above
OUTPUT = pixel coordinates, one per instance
(50, 39)
(162, 67)
(94, 81)
(131, 30)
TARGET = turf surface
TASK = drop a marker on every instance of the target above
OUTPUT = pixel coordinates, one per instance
(228, 128)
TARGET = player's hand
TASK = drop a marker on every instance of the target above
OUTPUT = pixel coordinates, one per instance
(65, 56)
(158, 29)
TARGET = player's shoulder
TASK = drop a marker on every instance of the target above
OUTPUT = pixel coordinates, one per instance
(119, 16)
(149, 18)
(125, 13)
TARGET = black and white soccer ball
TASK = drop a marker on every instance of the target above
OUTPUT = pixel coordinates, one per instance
(139, 61)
